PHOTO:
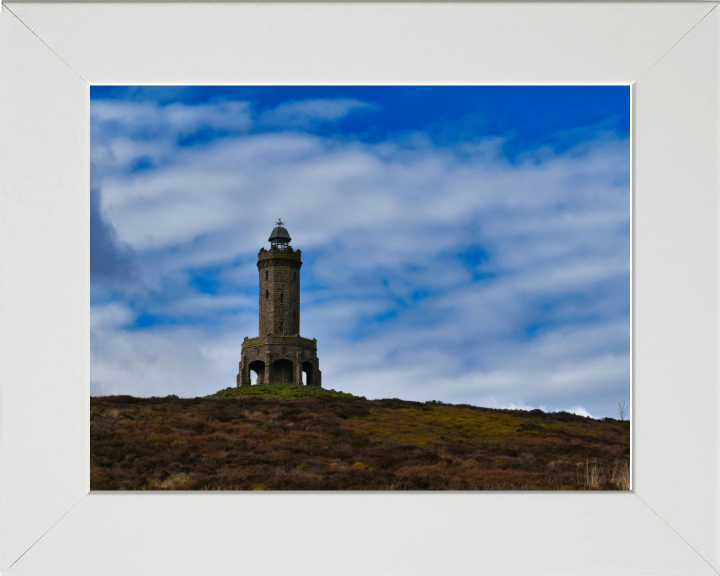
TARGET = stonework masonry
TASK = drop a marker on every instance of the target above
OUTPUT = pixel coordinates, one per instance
(279, 354)
(279, 291)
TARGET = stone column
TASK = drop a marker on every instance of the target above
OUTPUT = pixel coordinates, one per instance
(298, 368)
(242, 377)
(269, 372)
(265, 377)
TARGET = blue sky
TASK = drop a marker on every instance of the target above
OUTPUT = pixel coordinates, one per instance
(460, 243)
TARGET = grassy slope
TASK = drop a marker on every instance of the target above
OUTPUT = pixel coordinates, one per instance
(280, 391)
(280, 437)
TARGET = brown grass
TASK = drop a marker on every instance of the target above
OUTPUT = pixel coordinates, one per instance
(598, 475)
(348, 444)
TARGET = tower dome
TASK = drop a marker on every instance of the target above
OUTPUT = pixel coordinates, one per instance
(279, 236)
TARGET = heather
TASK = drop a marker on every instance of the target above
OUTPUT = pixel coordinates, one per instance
(305, 438)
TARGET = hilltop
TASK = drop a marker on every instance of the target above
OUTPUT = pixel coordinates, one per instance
(280, 391)
(285, 437)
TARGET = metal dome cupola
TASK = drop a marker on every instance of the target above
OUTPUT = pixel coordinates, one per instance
(279, 236)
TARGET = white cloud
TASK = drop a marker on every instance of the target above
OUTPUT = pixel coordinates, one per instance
(186, 361)
(580, 411)
(109, 316)
(149, 117)
(301, 114)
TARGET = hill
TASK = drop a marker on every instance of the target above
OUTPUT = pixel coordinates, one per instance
(284, 437)
(280, 391)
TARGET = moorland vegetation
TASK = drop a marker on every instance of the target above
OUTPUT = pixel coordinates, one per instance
(286, 437)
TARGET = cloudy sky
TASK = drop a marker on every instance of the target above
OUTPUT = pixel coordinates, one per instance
(465, 244)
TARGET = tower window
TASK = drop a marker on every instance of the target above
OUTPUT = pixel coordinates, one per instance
(282, 327)
(282, 298)
(267, 293)
(266, 274)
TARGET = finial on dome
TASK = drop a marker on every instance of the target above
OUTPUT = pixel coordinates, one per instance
(280, 236)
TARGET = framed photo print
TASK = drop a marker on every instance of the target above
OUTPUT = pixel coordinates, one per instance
(403, 288)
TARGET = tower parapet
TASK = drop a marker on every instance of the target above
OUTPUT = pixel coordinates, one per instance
(285, 254)
(279, 354)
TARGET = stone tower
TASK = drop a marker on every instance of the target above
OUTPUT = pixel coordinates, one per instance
(279, 354)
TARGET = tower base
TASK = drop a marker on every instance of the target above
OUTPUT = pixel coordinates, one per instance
(279, 360)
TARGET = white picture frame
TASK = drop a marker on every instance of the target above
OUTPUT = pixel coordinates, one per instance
(50, 53)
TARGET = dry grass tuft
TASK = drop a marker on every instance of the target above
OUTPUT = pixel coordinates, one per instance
(620, 475)
(597, 475)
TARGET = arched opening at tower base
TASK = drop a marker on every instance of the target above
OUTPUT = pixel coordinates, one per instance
(281, 371)
(258, 366)
(307, 368)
